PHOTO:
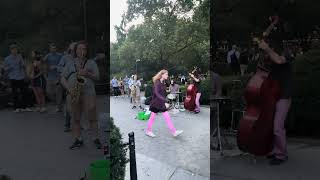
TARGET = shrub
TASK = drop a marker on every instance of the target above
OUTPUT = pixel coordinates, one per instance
(148, 89)
(223, 69)
(4, 177)
(183, 89)
(205, 91)
(303, 119)
(118, 153)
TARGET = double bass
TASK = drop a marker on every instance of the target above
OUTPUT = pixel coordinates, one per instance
(255, 131)
(189, 102)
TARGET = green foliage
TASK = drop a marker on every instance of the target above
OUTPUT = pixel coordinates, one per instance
(205, 91)
(234, 86)
(118, 153)
(150, 9)
(148, 90)
(236, 19)
(174, 41)
(4, 177)
(304, 119)
(183, 89)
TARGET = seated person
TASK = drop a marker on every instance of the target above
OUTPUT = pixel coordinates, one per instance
(173, 89)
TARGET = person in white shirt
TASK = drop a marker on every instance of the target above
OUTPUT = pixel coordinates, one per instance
(135, 92)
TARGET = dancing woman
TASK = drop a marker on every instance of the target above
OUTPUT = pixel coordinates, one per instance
(158, 103)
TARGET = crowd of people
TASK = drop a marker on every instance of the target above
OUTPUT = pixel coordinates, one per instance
(239, 57)
(54, 77)
(129, 87)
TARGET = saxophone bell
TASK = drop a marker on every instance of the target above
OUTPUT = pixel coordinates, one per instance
(81, 80)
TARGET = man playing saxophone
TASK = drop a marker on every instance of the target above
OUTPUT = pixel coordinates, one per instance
(78, 78)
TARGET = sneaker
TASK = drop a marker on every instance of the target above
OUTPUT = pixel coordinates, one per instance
(17, 110)
(177, 133)
(27, 110)
(67, 129)
(97, 143)
(43, 110)
(38, 109)
(141, 107)
(77, 144)
(276, 161)
(271, 156)
(134, 107)
(150, 133)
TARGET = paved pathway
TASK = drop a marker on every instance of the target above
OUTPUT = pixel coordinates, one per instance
(189, 152)
(303, 164)
(34, 146)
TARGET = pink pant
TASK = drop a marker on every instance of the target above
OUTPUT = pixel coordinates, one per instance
(280, 144)
(166, 117)
(197, 102)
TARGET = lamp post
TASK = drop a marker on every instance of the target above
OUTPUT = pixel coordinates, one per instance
(138, 60)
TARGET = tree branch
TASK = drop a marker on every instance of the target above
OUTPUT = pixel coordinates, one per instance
(182, 48)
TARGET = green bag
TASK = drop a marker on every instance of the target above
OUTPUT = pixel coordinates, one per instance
(100, 170)
(143, 116)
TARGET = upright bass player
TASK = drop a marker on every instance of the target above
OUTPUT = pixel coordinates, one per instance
(268, 95)
(196, 81)
(281, 70)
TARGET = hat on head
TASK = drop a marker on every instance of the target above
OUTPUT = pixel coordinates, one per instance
(52, 45)
(14, 45)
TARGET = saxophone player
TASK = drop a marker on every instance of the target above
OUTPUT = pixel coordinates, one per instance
(85, 103)
(135, 92)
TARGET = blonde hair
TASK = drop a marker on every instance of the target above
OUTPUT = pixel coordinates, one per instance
(159, 75)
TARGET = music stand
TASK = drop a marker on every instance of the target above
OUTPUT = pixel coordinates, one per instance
(217, 130)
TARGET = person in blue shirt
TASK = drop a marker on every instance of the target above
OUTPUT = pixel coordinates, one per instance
(115, 86)
(15, 67)
(126, 85)
(66, 59)
(54, 89)
(130, 81)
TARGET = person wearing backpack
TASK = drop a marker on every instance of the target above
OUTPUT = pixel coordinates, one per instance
(244, 60)
(233, 59)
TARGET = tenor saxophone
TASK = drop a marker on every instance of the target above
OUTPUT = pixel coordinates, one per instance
(133, 90)
(80, 81)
